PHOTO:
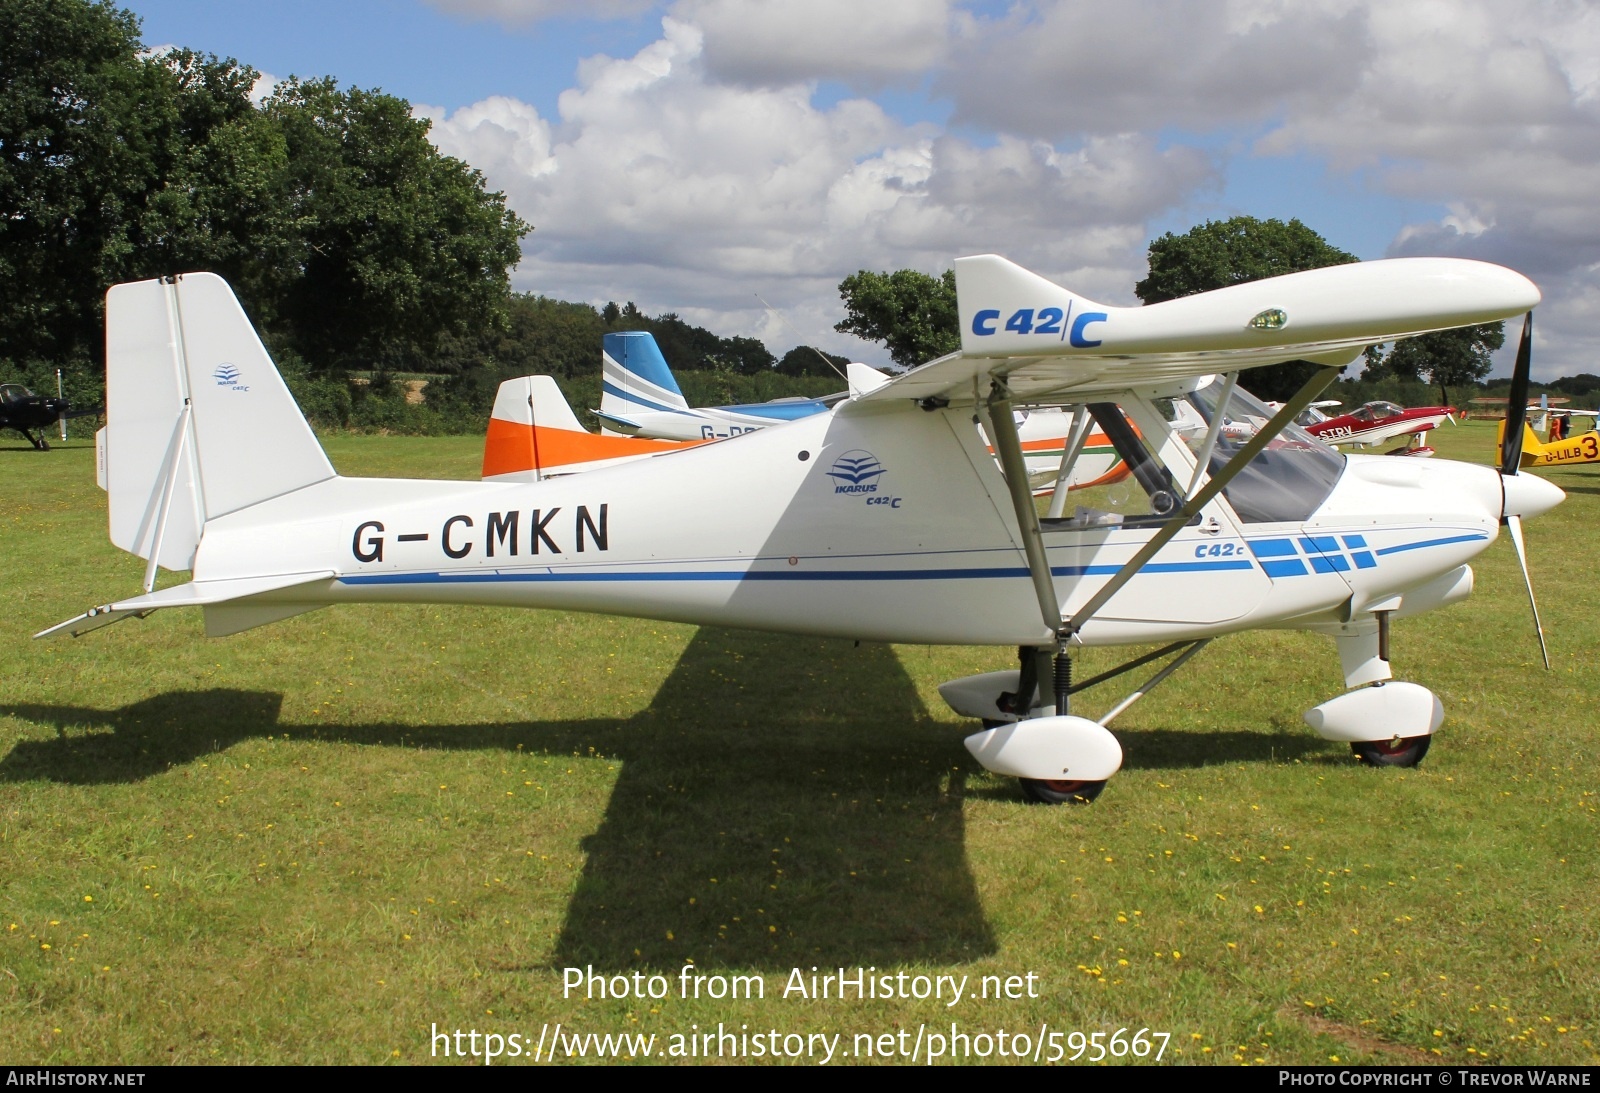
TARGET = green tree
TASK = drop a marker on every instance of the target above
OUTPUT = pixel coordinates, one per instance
(911, 313)
(805, 360)
(1220, 253)
(76, 157)
(347, 236)
(395, 246)
(1445, 358)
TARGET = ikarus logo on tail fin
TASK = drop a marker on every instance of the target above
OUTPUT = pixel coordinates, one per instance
(227, 375)
(858, 472)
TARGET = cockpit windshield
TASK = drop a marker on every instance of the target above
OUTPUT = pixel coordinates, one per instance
(13, 392)
(1377, 411)
(1288, 481)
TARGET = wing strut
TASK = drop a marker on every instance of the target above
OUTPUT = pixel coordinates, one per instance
(1077, 435)
(1002, 429)
(1203, 460)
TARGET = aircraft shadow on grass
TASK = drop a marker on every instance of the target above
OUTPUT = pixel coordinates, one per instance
(835, 818)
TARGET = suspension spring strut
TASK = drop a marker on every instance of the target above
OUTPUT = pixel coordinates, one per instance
(1063, 676)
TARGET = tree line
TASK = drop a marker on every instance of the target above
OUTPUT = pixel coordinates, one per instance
(355, 246)
(372, 263)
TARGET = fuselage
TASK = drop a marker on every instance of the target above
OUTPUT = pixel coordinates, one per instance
(881, 522)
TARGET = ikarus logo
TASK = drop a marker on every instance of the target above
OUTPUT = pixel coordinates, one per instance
(855, 472)
(229, 376)
(858, 472)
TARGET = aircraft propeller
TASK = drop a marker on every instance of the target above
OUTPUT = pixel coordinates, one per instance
(1511, 459)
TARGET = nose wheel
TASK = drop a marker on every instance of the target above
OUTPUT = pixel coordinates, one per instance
(1055, 791)
(1398, 751)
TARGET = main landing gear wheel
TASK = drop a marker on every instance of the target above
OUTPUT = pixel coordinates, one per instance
(1401, 751)
(1057, 791)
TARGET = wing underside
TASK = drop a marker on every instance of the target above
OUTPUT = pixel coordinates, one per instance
(1048, 344)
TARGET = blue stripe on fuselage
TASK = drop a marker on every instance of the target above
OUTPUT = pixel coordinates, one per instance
(947, 574)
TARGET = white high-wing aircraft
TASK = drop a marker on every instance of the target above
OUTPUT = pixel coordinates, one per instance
(884, 518)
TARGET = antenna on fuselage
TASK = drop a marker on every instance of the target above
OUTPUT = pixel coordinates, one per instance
(823, 356)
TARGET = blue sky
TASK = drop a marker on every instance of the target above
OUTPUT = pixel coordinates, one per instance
(707, 150)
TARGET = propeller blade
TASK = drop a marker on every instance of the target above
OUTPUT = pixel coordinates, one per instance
(1514, 523)
(1517, 401)
(62, 421)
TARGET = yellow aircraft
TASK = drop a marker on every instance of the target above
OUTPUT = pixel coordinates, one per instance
(1583, 448)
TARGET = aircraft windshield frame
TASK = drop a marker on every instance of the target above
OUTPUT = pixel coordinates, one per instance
(1288, 481)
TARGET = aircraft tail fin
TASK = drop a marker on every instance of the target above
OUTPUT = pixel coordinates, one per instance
(199, 422)
(1532, 446)
(533, 433)
(636, 378)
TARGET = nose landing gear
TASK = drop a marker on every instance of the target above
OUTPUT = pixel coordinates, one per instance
(1386, 724)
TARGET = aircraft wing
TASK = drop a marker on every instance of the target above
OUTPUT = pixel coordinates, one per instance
(1052, 345)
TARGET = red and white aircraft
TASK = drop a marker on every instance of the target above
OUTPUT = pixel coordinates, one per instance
(1374, 423)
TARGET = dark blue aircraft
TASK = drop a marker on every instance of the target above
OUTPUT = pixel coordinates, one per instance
(31, 414)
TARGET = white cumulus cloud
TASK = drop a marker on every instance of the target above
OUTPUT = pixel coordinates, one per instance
(1490, 108)
(661, 184)
(777, 42)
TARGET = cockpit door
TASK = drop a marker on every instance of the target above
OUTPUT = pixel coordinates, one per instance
(1206, 575)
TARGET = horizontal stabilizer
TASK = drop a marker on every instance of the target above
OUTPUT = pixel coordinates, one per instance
(617, 424)
(194, 594)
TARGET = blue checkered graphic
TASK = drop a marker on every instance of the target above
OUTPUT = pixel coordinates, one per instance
(1307, 554)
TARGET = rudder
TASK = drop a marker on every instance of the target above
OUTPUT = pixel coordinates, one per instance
(635, 378)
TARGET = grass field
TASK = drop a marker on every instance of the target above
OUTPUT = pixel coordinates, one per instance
(320, 840)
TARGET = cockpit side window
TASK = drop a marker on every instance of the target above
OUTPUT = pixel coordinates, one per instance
(1138, 492)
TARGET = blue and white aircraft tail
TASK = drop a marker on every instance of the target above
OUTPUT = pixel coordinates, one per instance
(640, 397)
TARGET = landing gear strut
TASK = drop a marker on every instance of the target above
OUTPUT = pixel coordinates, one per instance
(1386, 724)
